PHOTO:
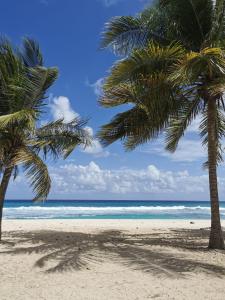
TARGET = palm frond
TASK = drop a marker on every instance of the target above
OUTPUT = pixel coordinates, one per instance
(164, 22)
(217, 34)
(178, 125)
(35, 170)
(22, 87)
(190, 21)
(126, 124)
(40, 79)
(15, 172)
(154, 86)
(30, 53)
(149, 60)
(219, 132)
(118, 95)
(138, 125)
(216, 87)
(209, 63)
(18, 118)
(126, 33)
(60, 139)
(122, 34)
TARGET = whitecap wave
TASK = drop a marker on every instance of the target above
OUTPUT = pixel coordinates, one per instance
(47, 212)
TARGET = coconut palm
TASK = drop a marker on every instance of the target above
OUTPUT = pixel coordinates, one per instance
(173, 71)
(24, 144)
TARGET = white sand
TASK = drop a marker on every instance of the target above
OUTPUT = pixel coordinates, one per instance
(109, 259)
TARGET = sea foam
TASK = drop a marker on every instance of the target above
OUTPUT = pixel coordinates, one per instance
(49, 212)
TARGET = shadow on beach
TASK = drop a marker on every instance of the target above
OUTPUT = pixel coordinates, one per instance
(165, 253)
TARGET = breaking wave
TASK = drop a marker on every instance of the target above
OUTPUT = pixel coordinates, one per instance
(55, 212)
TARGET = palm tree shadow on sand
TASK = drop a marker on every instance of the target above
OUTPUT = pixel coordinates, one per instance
(63, 251)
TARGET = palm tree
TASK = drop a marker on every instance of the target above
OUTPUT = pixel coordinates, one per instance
(23, 85)
(172, 72)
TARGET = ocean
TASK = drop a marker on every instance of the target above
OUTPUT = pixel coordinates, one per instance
(100, 209)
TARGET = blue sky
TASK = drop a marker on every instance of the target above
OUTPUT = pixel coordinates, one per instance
(69, 34)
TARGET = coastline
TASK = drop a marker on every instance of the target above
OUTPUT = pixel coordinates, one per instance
(96, 209)
(109, 259)
(103, 224)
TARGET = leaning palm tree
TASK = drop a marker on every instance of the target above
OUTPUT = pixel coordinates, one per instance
(23, 144)
(173, 71)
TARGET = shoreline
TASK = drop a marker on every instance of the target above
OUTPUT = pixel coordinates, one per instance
(109, 210)
(101, 224)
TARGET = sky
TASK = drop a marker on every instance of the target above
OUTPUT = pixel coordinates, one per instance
(69, 34)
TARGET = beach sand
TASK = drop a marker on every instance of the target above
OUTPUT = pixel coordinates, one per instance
(109, 259)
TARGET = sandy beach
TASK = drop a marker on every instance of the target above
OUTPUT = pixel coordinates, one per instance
(109, 259)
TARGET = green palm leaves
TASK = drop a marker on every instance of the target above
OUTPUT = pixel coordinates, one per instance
(166, 87)
(202, 74)
(59, 138)
(143, 81)
(208, 63)
(35, 170)
(164, 81)
(174, 70)
(190, 22)
(149, 61)
(24, 82)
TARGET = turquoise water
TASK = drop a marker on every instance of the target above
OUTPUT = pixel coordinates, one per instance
(100, 209)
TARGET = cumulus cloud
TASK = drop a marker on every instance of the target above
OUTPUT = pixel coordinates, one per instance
(72, 179)
(61, 109)
(77, 181)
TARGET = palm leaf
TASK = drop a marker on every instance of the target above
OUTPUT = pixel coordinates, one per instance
(60, 139)
(122, 34)
(219, 131)
(40, 79)
(151, 59)
(178, 125)
(18, 119)
(217, 34)
(138, 125)
(30, 53)
(190, 21)
(35, 170)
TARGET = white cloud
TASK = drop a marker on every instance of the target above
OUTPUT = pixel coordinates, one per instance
(95, 148)
(188, 150)
(72, 181)
(85, 179)
(61, 109)
(96, 86)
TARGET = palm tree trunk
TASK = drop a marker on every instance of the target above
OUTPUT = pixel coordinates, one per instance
(216, 240)
(3, 188)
